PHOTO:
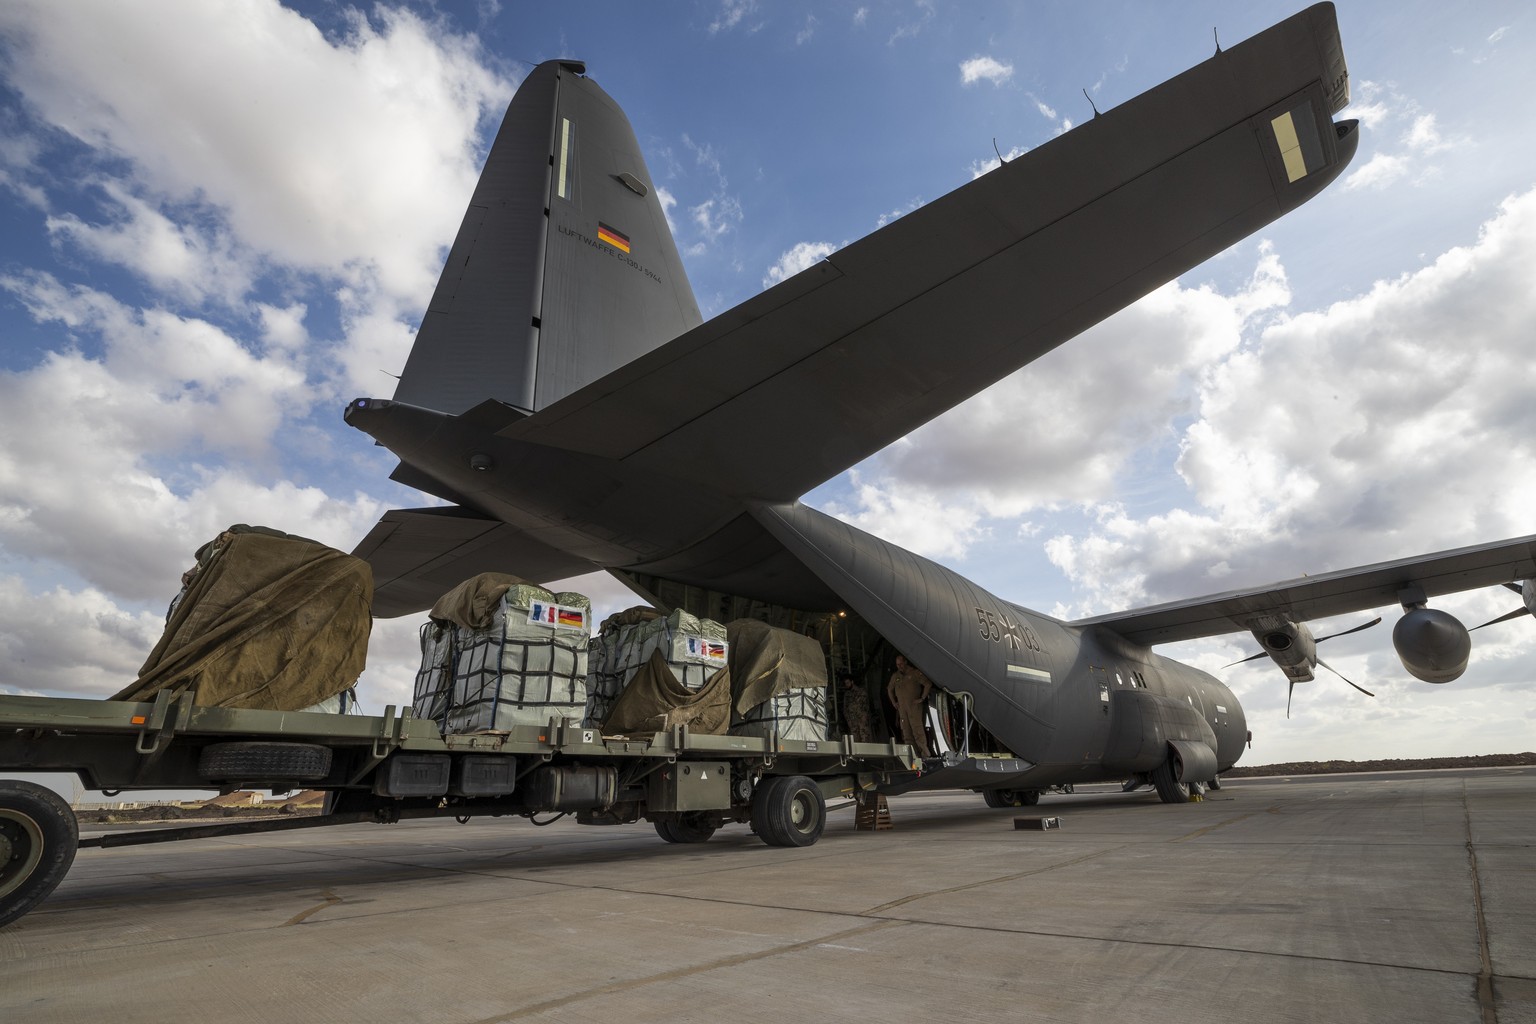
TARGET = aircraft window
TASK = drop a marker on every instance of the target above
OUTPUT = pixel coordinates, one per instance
(563, 161)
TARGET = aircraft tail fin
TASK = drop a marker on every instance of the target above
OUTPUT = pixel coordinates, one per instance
(563, 269)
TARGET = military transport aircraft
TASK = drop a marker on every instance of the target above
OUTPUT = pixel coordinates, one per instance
(565, 396)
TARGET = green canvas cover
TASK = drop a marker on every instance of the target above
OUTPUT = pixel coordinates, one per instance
(472, 604)
(266, 620)
(766, 660)
(654, 701)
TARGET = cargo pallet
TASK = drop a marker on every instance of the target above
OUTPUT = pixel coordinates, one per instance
(395, 766)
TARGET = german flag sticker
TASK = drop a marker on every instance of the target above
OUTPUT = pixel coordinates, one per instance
(618, 239)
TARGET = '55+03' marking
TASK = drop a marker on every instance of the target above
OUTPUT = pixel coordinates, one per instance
(995, 628)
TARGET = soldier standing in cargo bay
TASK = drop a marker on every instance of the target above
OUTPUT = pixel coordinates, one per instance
(908, 689)
(856, 711)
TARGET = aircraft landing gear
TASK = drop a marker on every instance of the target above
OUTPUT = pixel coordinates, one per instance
(38, 839)
(1165, 777)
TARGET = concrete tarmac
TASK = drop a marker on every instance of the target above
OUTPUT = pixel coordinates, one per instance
(1394, 897)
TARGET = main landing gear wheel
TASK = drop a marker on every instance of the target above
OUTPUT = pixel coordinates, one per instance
(38, 839)
(1165, 777)
(688, 829)
(1011, 797)
(788, 811)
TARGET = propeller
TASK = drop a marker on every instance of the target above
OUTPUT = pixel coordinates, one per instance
(1354, 629)
(1517, 588)
(1364, 625)
(1330, 668)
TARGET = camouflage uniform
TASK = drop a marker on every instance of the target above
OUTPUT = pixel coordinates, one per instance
(908, 689)
(856, 713)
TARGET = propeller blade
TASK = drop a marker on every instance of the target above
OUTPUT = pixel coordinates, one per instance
(1505, 617)
(1288, 693)
(1336, 672)
(1367, 625)
(1251, 657)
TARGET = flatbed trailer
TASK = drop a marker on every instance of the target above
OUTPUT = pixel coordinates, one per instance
(392, 766)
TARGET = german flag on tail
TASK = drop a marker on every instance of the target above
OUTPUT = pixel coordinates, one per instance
(618, 239)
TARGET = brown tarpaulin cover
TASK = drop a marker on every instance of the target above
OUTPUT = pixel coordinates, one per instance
(766, 660)
(654, 701)
(268, 621)
(472, 604)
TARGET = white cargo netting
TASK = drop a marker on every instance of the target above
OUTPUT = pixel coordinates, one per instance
(500, 653)
(694, 648)
(798, 714)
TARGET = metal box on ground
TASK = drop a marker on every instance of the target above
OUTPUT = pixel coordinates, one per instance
(1036, 824)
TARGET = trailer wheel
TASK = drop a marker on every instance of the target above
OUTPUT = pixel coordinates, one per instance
(789, 811)
(38, 839)
(261, 761)
(1011, 797)
(688, 829)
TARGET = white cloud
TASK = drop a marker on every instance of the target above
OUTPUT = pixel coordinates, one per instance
(332, 167)
(1349, 435)
(668, 202)
(1381, 170)
(731, 14)
(105, 647)
(717, 217)
(1377, 106)
(804, 35)
(915, 517)
(1063, 428)
(354, 153)
(801, 256)
(981, 68)
(897, 214)
(185, 261)
(1046, 111)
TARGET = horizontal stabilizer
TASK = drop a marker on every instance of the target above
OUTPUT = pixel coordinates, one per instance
(419, 554)
(804, 380)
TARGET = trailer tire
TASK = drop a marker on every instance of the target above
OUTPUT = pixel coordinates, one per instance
(251, 761)
(1011, 797)
(38, 839)
(688, 829)
(788, 811)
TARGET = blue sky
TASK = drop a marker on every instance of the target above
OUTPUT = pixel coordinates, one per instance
(219, 222)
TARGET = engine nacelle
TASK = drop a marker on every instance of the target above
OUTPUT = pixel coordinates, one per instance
(1433, 645)
(1288, 643)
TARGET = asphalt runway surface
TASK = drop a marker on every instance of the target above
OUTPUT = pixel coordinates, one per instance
(1399, 897)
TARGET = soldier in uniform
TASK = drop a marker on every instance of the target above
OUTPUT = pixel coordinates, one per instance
(856, 713)
(908, 689)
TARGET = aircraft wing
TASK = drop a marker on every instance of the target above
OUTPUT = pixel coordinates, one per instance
(1333, 593)
(802, 381)
(418, 554)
